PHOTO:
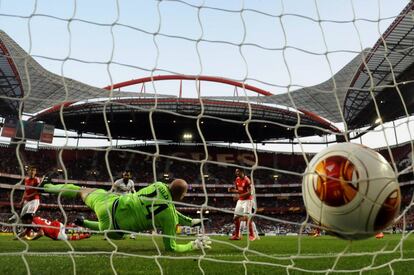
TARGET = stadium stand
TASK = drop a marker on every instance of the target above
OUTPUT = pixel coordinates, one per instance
(278, 194)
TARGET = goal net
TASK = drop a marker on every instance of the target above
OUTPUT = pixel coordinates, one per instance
(196, 90)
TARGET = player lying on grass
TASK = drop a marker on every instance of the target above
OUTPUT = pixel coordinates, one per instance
(151, 206)
(55, 230)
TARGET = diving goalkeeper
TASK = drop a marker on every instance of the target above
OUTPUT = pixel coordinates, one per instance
(140, 211)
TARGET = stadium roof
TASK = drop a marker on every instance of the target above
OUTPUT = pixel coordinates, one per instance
(387, 73)
(222, 121)
(21, 75)
(346, 95)
(10, 85)
(80, 104)
(391, 57)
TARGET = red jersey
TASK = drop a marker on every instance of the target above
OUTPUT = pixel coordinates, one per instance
(30, 193)
(242, 185)
(51, 229)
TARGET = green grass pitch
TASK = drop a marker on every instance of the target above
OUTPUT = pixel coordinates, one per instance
(270, 255)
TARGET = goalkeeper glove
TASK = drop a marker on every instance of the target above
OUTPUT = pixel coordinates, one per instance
(196, 222)
(202, 242)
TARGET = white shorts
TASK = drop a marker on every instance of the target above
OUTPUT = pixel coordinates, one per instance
(243, 207)
(30, 207)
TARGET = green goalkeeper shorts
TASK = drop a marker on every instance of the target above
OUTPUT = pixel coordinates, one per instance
(101, 202)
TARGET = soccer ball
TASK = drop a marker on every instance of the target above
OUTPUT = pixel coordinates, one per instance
(351, 191)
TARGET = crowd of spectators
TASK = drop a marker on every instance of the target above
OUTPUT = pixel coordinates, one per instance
(174, 162)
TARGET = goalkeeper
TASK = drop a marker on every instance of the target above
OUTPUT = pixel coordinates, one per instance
(140, 211)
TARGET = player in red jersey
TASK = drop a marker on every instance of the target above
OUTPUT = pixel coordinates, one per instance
(55, 230)
(243, 194)
(31, 196)
(31, 199)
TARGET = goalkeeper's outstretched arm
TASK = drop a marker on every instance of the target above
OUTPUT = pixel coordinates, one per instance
(168, 225)
(187, 221)
(183, 219)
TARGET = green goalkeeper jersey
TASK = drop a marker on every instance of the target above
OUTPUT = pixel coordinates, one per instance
(149, 207)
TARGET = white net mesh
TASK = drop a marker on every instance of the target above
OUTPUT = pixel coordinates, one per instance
(195, 90)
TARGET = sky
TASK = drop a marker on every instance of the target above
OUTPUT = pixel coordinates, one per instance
(279, 46)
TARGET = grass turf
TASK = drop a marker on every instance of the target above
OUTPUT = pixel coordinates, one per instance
(270, 255)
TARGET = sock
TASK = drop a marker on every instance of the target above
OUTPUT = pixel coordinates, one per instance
(256, 233)
(251, 231)
(236, 227)
(67, 190)
(94, 225)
